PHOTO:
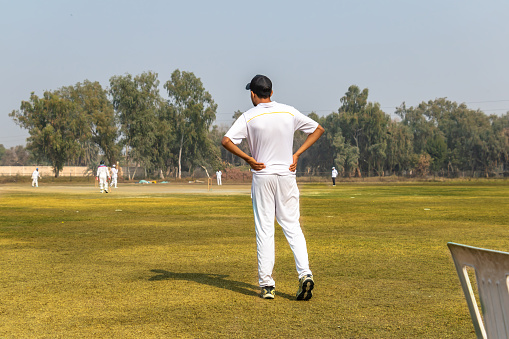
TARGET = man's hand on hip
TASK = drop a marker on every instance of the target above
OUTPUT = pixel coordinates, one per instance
(293, 166)
(257, 166)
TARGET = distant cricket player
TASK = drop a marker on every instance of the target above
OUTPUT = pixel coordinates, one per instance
(103, 174)
(334, 175)
(269, 128)
(218, 177)
(35, 178)
(114, 175)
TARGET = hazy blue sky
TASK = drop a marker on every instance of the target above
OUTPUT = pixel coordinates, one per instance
(402, 51)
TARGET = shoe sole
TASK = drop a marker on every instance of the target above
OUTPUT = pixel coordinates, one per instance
(268, 295)
(307, 287)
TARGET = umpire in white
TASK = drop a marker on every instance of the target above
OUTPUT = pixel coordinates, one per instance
(269, 128)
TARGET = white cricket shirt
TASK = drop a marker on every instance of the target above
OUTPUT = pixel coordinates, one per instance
(269, 129)
(102, 170)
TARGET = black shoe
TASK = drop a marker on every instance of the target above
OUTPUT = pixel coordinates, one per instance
(268, 292)
(306, 285)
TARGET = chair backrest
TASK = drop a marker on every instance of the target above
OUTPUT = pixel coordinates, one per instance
(491, 271)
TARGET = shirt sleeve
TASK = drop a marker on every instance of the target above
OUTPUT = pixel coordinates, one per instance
(238, 131)
(304, 123)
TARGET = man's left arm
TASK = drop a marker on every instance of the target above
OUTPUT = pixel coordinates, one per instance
(310, 140)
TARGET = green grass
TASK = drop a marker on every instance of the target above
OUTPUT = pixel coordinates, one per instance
(184, 265)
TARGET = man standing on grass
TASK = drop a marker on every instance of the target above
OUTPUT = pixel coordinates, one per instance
(35, 178)
(218, 176)
(269, 128)
(334, 175)
(114, 176)
(103, 174)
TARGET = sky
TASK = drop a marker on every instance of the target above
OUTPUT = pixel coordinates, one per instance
(401, 50)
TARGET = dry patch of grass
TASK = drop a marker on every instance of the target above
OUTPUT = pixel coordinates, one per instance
(184, 265)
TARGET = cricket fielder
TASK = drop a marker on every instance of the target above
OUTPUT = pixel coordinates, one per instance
(218, 176)
(269, 128)
(35, 178)
(114, 174)
(103, 174)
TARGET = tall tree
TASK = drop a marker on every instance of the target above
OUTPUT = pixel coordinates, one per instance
(347, 156)
(101, 133)
(194, 111)
(163, 156)
(335, 150)
(364, 125)
(436, 147)
(138, 105)
(471, 138)
(375, 123)
(55, 128)
(419, 123)
(400, 154)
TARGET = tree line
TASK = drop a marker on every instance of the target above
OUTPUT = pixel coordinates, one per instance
(131, 123)
(438, 136)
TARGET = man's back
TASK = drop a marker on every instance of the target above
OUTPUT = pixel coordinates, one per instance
(102, 170)
(269, 129)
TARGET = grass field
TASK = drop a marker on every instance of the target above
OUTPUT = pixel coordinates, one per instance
(179, 261)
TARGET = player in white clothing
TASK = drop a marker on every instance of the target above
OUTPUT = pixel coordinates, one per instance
(114, 175)
(103, 174)
(218, 176)
(35, 178)
(269, 128)
(334, 175)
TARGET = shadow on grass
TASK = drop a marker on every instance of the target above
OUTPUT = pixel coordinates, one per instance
(216, 280)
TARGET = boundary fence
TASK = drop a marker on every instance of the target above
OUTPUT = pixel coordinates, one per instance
(45, 171)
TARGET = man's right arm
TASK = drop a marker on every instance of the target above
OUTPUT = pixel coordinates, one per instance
(232, 148)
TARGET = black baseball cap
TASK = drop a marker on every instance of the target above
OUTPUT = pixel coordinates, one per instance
(261, 86)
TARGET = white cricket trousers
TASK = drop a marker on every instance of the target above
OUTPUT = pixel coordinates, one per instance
(277, 196)
(103, 182)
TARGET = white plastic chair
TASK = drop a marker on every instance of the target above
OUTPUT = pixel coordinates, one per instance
(491, 271)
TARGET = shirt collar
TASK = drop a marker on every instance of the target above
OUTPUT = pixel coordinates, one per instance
(266, 104)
